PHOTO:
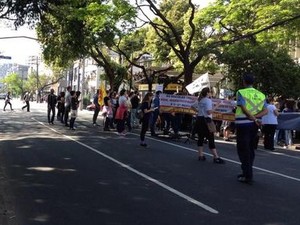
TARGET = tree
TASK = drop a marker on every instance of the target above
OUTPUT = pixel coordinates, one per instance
(275, 72)
(85, 28)
(224, 22)
(13, 83)
(26, 11)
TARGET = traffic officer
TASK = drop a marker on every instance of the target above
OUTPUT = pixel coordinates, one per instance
(251, 106)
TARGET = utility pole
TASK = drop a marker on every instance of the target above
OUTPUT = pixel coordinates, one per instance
(35, 61)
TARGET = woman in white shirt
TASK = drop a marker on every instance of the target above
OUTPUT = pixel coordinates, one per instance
(204, 108)
(269, 122)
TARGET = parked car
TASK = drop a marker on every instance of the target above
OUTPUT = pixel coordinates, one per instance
(2, 95)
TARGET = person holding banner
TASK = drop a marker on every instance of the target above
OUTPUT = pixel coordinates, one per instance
(204, 108)
(251, 106)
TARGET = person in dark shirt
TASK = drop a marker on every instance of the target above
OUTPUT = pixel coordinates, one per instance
(146, 108)
(52, 100)
(61, 106)
(97, 107)
(74, 107)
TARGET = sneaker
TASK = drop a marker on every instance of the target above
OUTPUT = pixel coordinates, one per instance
(202, 158)
(219, 160)
(242, 179)
(106, 129)
(143, 144)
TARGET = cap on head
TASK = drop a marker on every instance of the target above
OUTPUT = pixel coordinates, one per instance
(248, 78)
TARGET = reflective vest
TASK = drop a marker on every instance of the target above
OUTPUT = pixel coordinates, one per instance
(255, 101)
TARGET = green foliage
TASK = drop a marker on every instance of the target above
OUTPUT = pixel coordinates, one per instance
(13, 83)
(275, 72)
(85, 28)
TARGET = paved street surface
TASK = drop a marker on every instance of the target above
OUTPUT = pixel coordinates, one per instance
(50, 175)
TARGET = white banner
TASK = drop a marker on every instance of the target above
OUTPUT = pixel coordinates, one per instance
(222, 109)
(198, 84)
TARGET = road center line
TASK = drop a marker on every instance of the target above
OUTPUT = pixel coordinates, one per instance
(166, 187)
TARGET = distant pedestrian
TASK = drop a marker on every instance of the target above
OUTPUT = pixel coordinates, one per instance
(97, 107)
(67, 106)
(155, 105)
(121, 113)
(269, 122)
(107, 113)
(61, 106)
(51, 101)
(147, 110)
(74, 107)
(7, 101)
(204, 108)
(251, 106)
(135, 101)
(26, 98)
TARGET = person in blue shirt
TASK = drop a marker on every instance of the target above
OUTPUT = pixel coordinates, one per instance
(155, 114)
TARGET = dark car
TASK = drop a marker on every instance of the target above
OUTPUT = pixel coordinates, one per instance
(2, 95)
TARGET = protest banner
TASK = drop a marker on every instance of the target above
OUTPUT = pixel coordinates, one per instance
(198, 84)
(222, 109)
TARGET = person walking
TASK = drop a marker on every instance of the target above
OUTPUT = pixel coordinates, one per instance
(147, 111)
(7, 101)
(52, 100)
(97, 107)
(26, 99)
(269, 122)
(67, 106)
(251, 106)
(204, 108)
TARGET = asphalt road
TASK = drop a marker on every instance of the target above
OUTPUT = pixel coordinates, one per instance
(53, 176)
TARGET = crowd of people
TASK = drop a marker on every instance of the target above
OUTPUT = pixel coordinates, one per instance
(253, 111)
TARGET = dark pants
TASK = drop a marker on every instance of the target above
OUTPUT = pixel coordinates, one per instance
(7, 102)
(128, 121)
(107, 122)
(269, 133)
(145, 125)
(72, 122)
(51, 109)
(96, 113)
(27, 105)
(120, 125)
(246, 138)
(202, 132)
(66, 116)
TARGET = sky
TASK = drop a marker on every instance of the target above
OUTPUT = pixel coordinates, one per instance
(18, 48)
(21, 48)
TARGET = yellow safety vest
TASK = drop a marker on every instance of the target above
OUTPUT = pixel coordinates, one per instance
(254, 103)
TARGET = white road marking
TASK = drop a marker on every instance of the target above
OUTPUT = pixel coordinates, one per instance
(166, 187)
(228, 160)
